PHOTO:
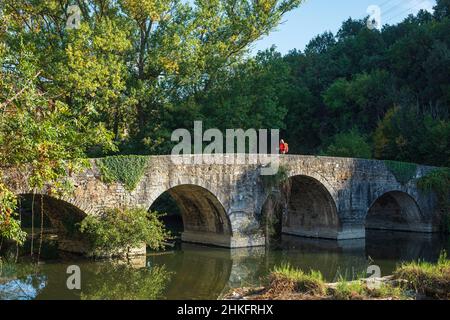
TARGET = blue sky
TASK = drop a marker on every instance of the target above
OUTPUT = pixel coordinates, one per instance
(314, 17)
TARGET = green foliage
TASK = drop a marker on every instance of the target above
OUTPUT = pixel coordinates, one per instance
(358, 290)
(286, 277)
(407, 135)
(438, 181)
(275, 180)
(127, 170)
(350, 144)
(249, 96)
(285, 280)
(38, 129)
(73, 91)
(433, 280)
(164, 52)
(348, 290)
(388, 291)
(120, 229)
(134, 284)
(271, 217)
(402, 171)
(9, 224)
(359, 100)
(391, 85)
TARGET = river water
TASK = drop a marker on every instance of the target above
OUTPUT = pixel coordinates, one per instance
(200, 272)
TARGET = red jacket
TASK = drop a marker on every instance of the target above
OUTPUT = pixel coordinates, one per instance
(282, 148)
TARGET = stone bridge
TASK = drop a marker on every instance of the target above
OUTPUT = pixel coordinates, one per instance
(223, 205)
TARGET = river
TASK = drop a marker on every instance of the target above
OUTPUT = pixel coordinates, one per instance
(200, 272)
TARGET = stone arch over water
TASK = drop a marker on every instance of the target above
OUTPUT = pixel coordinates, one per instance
(310, 209)
(204, 216)
(62, 215)
(396, 210)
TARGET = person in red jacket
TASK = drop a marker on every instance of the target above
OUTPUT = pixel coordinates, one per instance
(284, 148)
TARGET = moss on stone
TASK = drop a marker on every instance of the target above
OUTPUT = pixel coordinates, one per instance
(127, 170)
(402, 171)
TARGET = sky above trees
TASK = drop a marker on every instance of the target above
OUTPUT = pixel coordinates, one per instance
(316, 16)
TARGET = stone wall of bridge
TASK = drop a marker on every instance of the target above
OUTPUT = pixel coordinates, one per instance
(222, 204)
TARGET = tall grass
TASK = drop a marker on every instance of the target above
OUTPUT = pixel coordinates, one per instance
(349, 290)
(432, 280)
(359, 290)
(287, 279)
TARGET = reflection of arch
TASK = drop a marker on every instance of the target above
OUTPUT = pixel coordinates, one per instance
(311, 210)
(200, 272)
(396, 210)
(204, 216)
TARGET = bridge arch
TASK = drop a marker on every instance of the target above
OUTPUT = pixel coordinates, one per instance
(203, 214)
(305, 207)
(310, 209)
(59, 215)
(396, 210)
(62, 214)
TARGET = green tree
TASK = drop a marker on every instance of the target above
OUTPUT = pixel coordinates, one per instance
(38, 130)
(349, 144)
(251, 96)
(360, 101)
(163, 51)
(442, 9)
(407, 135)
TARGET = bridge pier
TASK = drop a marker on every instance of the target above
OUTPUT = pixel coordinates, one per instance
(223, 240)
(346, 232)
(352, 231)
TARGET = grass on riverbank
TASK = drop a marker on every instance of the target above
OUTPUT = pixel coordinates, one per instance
(360, 290)
(287, 282)
(413, 280)
(431, 280)
(286, 279)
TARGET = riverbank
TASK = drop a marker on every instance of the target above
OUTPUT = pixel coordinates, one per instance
(410, 281)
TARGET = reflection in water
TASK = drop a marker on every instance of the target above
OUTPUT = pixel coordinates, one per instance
(117, 282)
(20, 282)
(198, 272)
(388, 248)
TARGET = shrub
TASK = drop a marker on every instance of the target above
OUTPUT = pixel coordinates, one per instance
(127, 170)
(402, 171)
(120, 229)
